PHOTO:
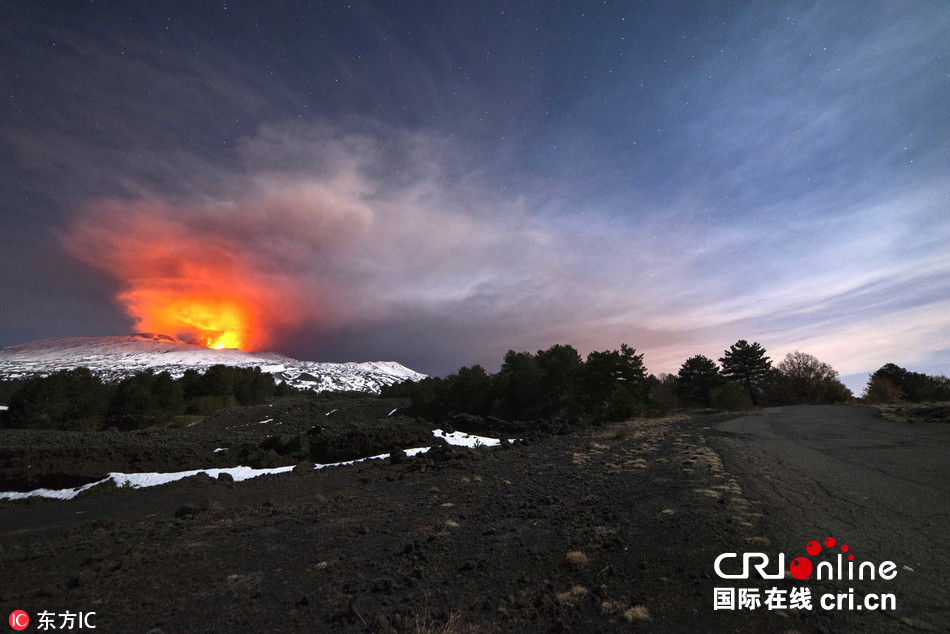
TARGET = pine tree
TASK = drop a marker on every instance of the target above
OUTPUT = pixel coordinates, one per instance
(697, 377)
(747, 365)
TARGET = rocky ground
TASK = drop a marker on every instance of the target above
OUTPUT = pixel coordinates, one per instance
(322, 428)
(608, 529)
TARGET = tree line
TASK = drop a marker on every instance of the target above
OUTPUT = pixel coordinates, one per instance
(892, 384)
(614, 385)
(79, 400)
(556, 384)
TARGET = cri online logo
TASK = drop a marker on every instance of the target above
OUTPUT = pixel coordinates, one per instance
(19, 620)
(802, 568)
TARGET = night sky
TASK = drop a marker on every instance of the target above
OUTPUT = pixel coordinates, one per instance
(437, 182)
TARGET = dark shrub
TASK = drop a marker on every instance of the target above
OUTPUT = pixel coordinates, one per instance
(67, 399)
(731, 397)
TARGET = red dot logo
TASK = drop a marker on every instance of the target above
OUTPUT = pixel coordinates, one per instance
(829, 542)
(801, 568)
(813, 548)
(19, 620)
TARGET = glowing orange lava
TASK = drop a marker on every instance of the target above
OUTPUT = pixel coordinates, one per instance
(217, 321)
(213, 320)
(194, 283)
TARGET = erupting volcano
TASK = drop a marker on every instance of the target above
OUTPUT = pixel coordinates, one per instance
(214, 321)
(192, 312)
(188, 278)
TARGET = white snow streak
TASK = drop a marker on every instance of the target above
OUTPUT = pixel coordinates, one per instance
(143, 480)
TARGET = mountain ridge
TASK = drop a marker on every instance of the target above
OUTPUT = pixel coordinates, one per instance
(114, 358)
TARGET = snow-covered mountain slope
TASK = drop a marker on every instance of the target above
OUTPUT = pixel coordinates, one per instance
(114, 358)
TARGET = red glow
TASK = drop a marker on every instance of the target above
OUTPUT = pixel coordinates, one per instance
(194, 282)
(215, 321)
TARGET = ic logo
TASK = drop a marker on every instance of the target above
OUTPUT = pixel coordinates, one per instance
(19, 620)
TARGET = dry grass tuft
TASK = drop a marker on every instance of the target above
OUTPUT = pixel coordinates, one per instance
(637, 613)
(576, 558)
(425, 625)
(631, 614)
(572, 596)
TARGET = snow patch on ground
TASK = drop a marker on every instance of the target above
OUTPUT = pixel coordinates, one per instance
(142, 480)
(461, 439)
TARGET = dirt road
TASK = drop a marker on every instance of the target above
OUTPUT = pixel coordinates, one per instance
(882, 487)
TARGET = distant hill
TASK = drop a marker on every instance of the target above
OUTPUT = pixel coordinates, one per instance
(114, 358)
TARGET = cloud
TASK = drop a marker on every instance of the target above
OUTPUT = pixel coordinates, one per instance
(335, 234)
(744, 188)
(310, 238)
(229, 272)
